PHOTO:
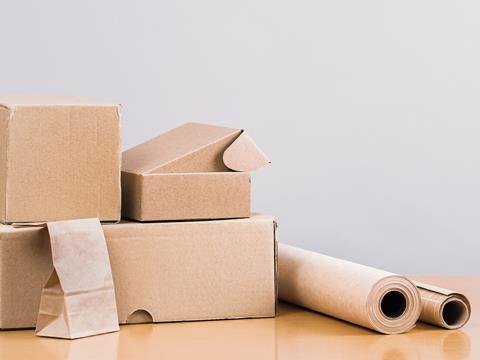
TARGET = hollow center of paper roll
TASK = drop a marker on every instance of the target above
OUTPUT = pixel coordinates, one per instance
(454, 313)
(393, 304)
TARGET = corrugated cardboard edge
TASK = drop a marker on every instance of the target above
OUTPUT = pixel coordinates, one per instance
(50, 100)
(244, 154)
(118, 210)
(119, 182)
(1, 283)
(275, 259)
(5, 121)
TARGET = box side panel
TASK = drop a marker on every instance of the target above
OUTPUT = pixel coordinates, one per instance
(65, 164)
(193, 270)
(4, 119)
(175, 271)
(131, 195)
(25, 265)
(196, 196)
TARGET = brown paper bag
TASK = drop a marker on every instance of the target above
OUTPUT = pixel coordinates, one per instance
(79, 297)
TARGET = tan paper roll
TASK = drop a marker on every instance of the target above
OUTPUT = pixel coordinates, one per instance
(443, 307)
(362, 295)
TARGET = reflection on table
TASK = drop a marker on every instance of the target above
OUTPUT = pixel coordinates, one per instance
(295, 333)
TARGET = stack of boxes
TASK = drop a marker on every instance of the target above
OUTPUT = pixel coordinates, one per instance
(188, 247)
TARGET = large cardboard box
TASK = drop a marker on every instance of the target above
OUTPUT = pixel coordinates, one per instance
(59, 159)
(195, 171)
(174, 271)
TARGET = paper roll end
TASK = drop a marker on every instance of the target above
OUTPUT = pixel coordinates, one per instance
(455, 312)
(394, 305)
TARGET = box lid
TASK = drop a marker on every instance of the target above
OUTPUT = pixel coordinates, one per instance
(13, 101)
(195, 147)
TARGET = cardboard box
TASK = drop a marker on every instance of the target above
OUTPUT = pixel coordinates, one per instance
(194, 171)
(175, 271)
(59, 159)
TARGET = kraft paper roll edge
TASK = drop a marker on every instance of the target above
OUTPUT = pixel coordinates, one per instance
(443, 307)
(365, 296)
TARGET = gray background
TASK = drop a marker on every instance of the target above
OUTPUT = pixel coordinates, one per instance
(368, 109)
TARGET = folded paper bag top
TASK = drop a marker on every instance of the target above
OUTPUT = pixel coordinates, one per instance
(78, 300)
(195, 171)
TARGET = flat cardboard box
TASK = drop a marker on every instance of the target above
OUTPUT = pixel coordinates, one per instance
(59, 159)
(177, 271)
(195, 171)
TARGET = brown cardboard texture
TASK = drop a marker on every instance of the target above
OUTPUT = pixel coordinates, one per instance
(195, 171)
(59, 159)
(174, 271)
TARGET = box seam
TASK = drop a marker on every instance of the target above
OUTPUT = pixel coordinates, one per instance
(1, 280)
(119, 182)
(7, 152)
(275, 259)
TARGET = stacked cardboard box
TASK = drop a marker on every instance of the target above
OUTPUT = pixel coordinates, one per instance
(60, 159)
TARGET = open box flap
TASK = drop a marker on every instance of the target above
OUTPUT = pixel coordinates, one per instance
(195, 148)
(244, 155)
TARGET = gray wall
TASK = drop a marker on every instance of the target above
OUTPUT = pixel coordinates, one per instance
(369, 109)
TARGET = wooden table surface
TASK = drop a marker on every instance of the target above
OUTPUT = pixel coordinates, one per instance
(294, 334)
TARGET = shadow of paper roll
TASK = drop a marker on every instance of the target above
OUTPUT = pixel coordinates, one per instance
(309, 335)
(306, 334)
(456, 345)
(435, 343)
(446, 345)
(398, 347)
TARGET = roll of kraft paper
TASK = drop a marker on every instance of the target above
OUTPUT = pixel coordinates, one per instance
(443, 307)
(362, 295)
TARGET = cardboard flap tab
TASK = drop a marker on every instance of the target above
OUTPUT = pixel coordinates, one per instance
(244, 155)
